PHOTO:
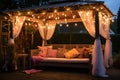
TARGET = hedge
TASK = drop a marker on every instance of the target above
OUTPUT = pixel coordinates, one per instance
(75, 38)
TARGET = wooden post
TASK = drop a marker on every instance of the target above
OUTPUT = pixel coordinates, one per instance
(0, 34)
(11, 30)
(96, 25)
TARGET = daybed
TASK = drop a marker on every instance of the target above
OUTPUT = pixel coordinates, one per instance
(55, 56)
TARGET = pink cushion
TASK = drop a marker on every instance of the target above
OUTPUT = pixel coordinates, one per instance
(42, 51)
(81, 51)
(51, 52)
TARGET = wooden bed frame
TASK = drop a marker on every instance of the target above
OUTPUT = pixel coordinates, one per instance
(80, 64)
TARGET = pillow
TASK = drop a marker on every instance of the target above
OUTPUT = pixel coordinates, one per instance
(50, 46)
(81, 52)
(51, 52)
(60, 52)
(42, 51)
(71, 53)
(86, 54)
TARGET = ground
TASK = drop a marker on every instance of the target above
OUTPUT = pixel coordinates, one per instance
(57, 74)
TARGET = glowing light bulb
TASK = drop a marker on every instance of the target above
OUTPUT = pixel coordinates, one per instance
(29, 24)
(38, 17)
(74, 16)
(68, 9)
(55, 10)
(60, 25)
(28, 19)
(5, 17)
(44, 12)
(76, 24)
(28, 12)
(63, 14)
(26, 24)
(67, 25)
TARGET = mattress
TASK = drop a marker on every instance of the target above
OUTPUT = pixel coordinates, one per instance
(65, 60)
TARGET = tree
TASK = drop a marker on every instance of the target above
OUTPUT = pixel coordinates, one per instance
(118, 21)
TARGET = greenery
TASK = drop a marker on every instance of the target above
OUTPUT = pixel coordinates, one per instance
(11, 57)
(117, 61)
(14, 4)
(115, 42)
(118, 21)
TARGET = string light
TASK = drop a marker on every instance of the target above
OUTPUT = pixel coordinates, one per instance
(94, 7)
(66, 20)
(49, 17)
(56, 14)
(56, 18)
(28, 12)
(26, 24)
(76, 24)
(36, 25)
(28, 19)
(60, 25)
(44, 12)
(97, 9)
(29, 24)
(44, 20)
(67, 25)
(19, 13)
(55, 11)
(63, 14)
(101, 8)
(74, 16)
(46, 24)
(68, 9)
(5, 18)
(52, 15)
(32, 15)
(38, 17)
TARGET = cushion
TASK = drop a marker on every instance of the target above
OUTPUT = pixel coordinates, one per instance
(49, 46)
(71, 53)
(81, 52)
(60, 52)
(42, 51)
(86, 52)
(51, 52)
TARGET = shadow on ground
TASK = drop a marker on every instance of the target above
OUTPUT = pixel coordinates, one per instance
(59, 74)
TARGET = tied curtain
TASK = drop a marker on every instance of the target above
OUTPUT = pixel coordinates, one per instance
(17, 23)
(46, 30)
(104, 31)
(88, 19)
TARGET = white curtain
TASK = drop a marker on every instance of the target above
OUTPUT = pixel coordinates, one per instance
(104, 31)
(88, 20)
(17, 23)
(46, 30)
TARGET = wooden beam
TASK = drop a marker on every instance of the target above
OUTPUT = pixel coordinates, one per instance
(0, 37)
(67, 20)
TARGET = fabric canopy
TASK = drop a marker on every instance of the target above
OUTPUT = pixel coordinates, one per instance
(104, 31)
(97, 55)
(46, 31)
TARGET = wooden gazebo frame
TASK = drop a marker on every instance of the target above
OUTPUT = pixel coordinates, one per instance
(67, 12)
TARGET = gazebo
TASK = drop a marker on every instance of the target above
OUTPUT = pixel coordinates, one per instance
(94, 15)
